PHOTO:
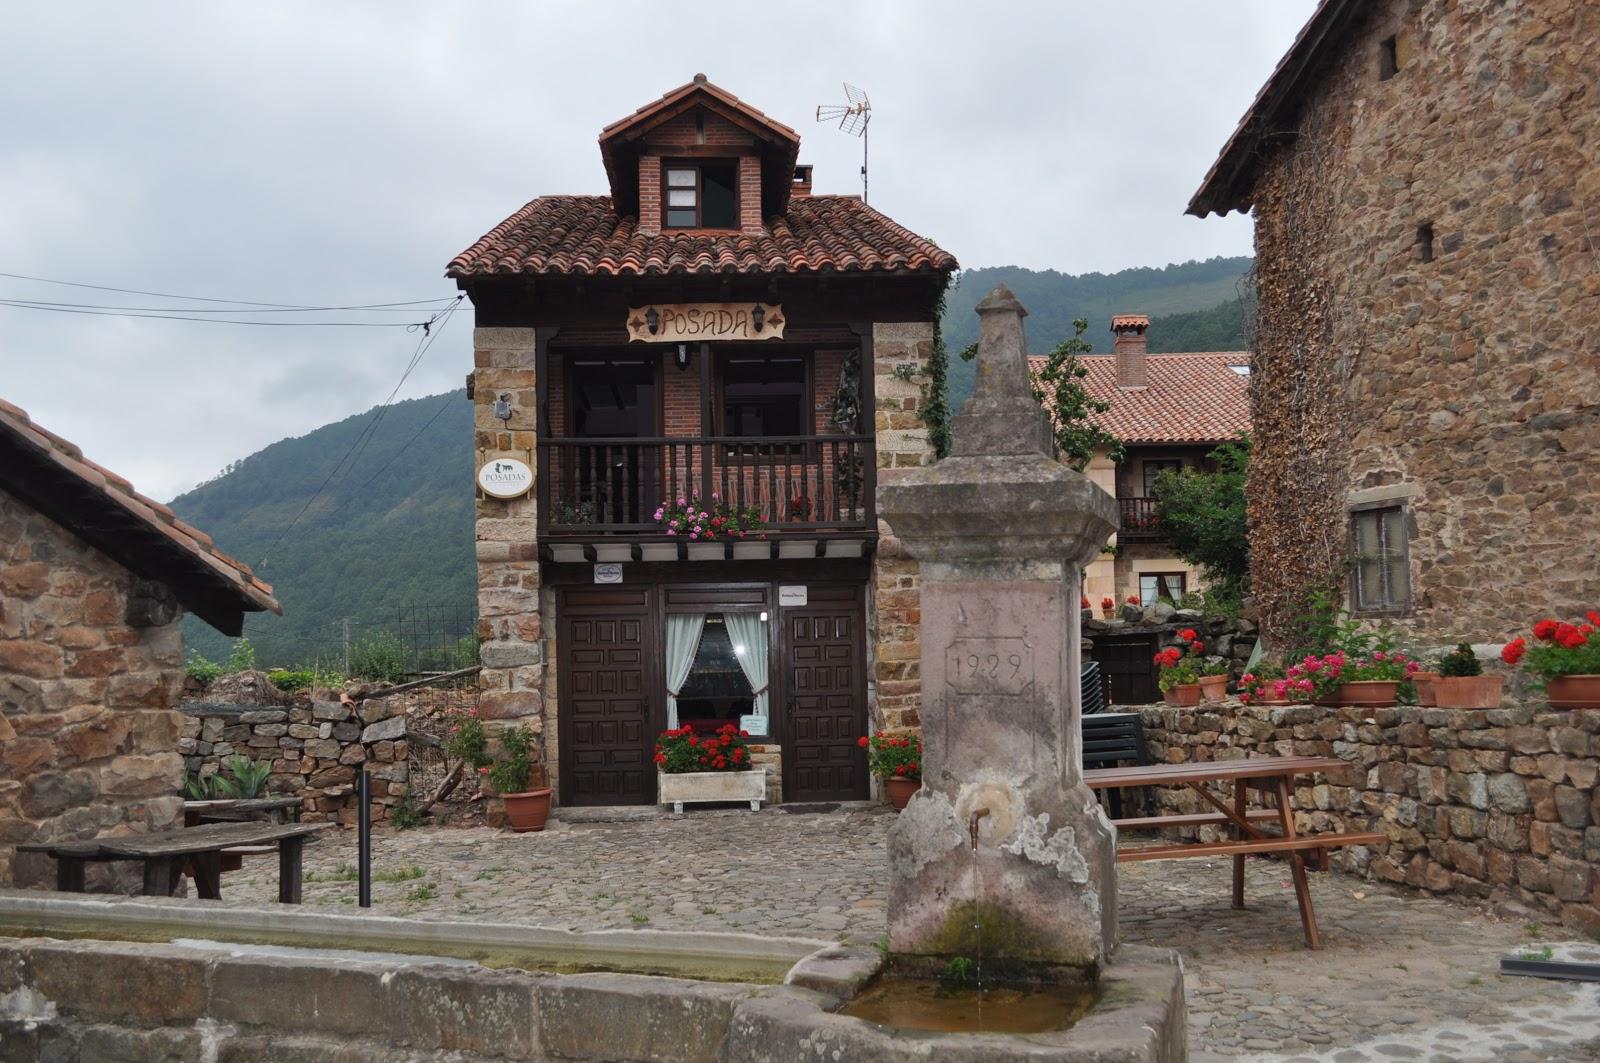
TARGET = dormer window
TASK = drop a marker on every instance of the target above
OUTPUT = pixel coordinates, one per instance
(701, 195)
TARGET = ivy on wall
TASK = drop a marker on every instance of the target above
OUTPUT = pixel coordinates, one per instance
(935, 406)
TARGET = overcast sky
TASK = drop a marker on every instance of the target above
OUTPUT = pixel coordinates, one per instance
(331, 154)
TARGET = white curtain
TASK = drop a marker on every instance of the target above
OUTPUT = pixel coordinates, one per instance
(749, 634)
(683, 642)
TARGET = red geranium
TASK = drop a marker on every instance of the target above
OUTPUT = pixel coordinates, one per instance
(1108, 604)
(1515, 650)
(890, 756)
(681, 750)
(1545, 630)
(1561, 648)
(1188, 634)
(1133, 599)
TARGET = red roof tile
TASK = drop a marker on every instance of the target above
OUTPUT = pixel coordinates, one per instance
(583, 235)
(220, 574)
(1190, 398)
(1129, 321)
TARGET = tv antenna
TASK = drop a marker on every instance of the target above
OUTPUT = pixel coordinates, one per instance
(853, 118)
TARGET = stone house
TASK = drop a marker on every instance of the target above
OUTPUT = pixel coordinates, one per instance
(1425, 188)
(93, 580)
(709, 341)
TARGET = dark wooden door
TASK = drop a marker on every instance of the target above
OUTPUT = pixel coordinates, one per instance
(1127, 662)
(608, 670)
(826, 691)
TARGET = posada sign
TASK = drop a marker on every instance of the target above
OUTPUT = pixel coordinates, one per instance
(505, 477)
(699, 322)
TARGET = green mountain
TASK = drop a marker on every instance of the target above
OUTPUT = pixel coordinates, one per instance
(1193, 306)
(387, 544)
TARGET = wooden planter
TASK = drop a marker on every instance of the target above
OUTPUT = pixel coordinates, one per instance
(900, 791)
(1573, 692)
(1184, 695)
(1213, 687)
(1364, 693)
(528, 810)
(1467, 691)
(697, 787)
(1423, 682)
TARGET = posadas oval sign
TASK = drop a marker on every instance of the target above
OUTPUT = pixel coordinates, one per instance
(505, 477)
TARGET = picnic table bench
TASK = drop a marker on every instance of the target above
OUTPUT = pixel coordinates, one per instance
(1273, 778)
(164, 855)
(232, 809)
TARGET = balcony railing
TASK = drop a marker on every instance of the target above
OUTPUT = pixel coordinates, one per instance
(795, 484)
(1139, 521)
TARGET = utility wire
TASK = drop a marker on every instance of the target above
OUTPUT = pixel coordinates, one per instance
(449, 398)
(163, 295)
(430, 335)
(218, 321)
(374, 308)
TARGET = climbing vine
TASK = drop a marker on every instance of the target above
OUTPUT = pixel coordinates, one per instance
(934, 408)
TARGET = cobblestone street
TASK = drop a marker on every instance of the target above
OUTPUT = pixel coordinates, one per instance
(1401, 977)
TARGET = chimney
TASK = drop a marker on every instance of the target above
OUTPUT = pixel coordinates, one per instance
(1130, 349)
(802, 181)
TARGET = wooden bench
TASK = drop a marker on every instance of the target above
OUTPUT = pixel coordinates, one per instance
(165, 854)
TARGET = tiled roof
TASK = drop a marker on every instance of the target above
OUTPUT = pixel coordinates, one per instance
(699, 85)
(583, 235)
(60, 477)
(1190, 398)
(1129, 321)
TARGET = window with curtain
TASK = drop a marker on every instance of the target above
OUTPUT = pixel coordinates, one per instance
(1380, 574)
(1162, 586)
(725, 675)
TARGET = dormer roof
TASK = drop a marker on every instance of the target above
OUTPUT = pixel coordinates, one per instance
(621, 142)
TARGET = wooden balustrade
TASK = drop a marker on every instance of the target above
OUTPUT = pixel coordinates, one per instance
(1139, 522)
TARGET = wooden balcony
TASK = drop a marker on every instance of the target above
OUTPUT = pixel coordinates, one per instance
(800, 487)
(1139, 523)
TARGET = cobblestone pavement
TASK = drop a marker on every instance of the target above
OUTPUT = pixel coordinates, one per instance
(1400, 977)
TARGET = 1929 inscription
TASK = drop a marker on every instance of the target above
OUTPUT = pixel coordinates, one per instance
(999, 665)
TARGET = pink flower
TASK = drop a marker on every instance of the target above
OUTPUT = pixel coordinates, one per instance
(1313, 665)
(694, 534)
(1379, 655)
(483, 771)
(1304, 684)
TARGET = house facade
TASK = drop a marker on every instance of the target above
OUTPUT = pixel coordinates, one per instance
(94, 578)
(1425, 186)
(706, 371)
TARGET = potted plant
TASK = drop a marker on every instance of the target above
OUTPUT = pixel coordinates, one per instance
(716, 767)
(1462, 684)
(1566, 657)
(520, 781)
(1181, 669)
(1264, 685)
(897, 760)
(1108, 607)
(1337, 679)
(1422, 681)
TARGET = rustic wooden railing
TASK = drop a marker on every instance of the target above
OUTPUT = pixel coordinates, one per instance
(1139, 521)
(793, 483)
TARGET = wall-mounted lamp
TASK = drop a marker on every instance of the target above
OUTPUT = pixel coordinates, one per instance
(758, 316)
(652, 320)
(502, 406)
(681, 359)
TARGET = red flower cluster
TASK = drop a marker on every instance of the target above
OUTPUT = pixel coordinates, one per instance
(1515, 650)
(1083, 601)
(1133, 599)
(1567, 636)
(1168, 657)
(1108, 603)
(1188, 634)
(893, 756)
(680, 750)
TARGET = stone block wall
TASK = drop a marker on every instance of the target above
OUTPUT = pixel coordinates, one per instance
(316, 749)
(1453, 375)
(515, 639)
(90, 697)
(1495, 804)
(894, 596)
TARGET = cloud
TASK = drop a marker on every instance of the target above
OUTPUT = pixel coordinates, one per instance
(311, 153)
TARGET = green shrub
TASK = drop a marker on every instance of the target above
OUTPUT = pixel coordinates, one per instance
(249, 777)
(406, 814)
(199, 787)
(200, 669)
(1460, 661)
(290, 680)
(243, 657)
(378, 656)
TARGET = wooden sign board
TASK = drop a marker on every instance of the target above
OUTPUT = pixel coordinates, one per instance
(700, 322)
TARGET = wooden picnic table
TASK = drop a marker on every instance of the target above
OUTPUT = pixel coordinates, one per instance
(1272, 777)
(164, 855)
(232, 809)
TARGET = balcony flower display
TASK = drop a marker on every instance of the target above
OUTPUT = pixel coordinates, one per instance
(691, 517)
(1566, 656)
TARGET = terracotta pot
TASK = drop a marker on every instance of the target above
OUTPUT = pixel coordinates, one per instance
(1573, 692)
(1366, 693)
(1184, 694)
(1423, 682)
(528, 810)
(1108, 614)
(1213, 687)
(1468, 691)
(900, 791)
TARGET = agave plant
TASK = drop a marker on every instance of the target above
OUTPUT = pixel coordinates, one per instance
(198, 787)
(249, 776)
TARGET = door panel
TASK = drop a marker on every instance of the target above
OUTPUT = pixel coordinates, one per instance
(1126, 661)
(605, 705)
(826, 703)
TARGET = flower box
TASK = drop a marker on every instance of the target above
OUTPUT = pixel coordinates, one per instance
(680, 788)
(1184, 695)
(1363, 693)
(1468, 691)
(1213, 687)
(1573, 691)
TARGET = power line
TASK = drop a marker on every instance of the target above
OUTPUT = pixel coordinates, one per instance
(388, 308)
(217, 321)
(162, 295)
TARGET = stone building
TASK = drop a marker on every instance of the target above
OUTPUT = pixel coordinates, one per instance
(711, 338)
(93, 580)
(1426, 193)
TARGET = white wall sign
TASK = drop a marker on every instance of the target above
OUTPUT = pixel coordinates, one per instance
(505, 477)
(792, 595)
(610, 572)
(755, 726)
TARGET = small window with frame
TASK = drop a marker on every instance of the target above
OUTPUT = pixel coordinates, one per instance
(764, 396)
(1380, 574)
(1154, 469)
(700, 195)
(1162, 586)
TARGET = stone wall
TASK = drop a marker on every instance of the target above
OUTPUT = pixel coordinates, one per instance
(316, 749)
(90, 697)
(894, 596)
(1232, 639)
(1458, 380)
(1494, 804)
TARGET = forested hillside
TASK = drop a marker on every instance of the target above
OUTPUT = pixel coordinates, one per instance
(1193, 306)
(393, 527)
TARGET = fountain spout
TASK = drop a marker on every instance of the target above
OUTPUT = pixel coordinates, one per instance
(972, 826)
